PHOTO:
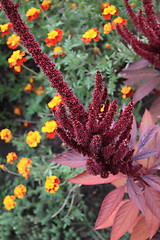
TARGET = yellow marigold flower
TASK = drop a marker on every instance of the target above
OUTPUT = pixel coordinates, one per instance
(17, 69)
(54, 36)
(50, 129)
(108, 11)
(28, 88)
(2, 166)
(20, 191)
(53, 104)
(24, 167)
(51, 184)
(33, 138)
(120, 21)
(58, 51)
(31, 80)
(108, 46)
(13, 41)
(126, 92)
(104, 5)
(91, 34)
(6, 135)
(107, 28)
(17, 58)
(17, 110)
(11, 157)
(5, 29)
(9, 202)
(33, 13)
(40, 90)
(45, 5)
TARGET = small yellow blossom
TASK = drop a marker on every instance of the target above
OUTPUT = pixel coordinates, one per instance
(17, 69)
(50, 128)
(107, 28)
(24, 167)
(91, 34)
(20, 191)
(51, 184)
(6, 135)
(127, 92)
(109, 11)
(40, 90)
(33, 13)
(11, 157)
(53, 104)
(5, 29)
(58, 51)
(17, 110)
(17, 58)
(120, 21)
(108, 46)
(53, 37)
(9, 202)
(2, 166)
(45, 5)
(28, 88)
(33, 138)
(13, 41)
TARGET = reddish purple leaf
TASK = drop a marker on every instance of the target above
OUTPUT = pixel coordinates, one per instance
(71, 159)
(140, 230)
(141, 63)
(145, 89)
(153, 181)
(152, 199)
(109, 205)
(146, 121)
(133, 134)
(124, 220)
(136, 195)
(86, 179)
(152, 223)
(155, 109)
(147, 135)
(146, 153)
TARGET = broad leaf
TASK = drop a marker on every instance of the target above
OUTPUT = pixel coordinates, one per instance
(136, 195)
(147, 135)
(87, 179)
(125, 218)
(152, 223)
(109, 205)
(155, 109)
(152, 199)
(153, 181)
(146, 153)
(147, 120)
(140, 230)
(71, 159)
(133, 134)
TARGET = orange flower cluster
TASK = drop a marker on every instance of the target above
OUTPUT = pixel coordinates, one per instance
(50, 129)
(5, 29)
(53, 37)
(33, 138)
(17, 58)
(108, 27)
(11, 157)
(33, 13)
(91, 34)
(108, 11)
(17, 110)
(45, 5)
(51, 184)
(58, 51)
(53, 104)
(30, 86)
(24, 167)
(20, 191)
(6, 135)
(13, 41)
(126, 92)
(9, 202)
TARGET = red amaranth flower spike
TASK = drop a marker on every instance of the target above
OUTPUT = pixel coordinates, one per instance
(149, 26)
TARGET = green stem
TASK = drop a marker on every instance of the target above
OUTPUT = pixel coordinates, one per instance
(30, 70)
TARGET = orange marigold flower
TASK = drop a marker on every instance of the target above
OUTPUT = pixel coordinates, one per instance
(58, 51)
(109, 11)
(5, 29)
(24, 167)
(50, 129)
(17, 69)
(31, 80)
(73, 5)
(120, 21)
(108, 46)
(91, 34)
(33, 138)
(51, 184)
(107, 28)
(11, 157)
(6, 135)
(13, 41)
(20, 191)
(26, 124)
(40, 90)
(9, 202)
(28, 88)
(104, 5)
(33, 13)
(126, 92)
(54, 36)
(53, 104)
(45, 5)
(17, 58)
(17, 110)
(2, 166)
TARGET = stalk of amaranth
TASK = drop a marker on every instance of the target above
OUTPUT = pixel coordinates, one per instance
(94, 133)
